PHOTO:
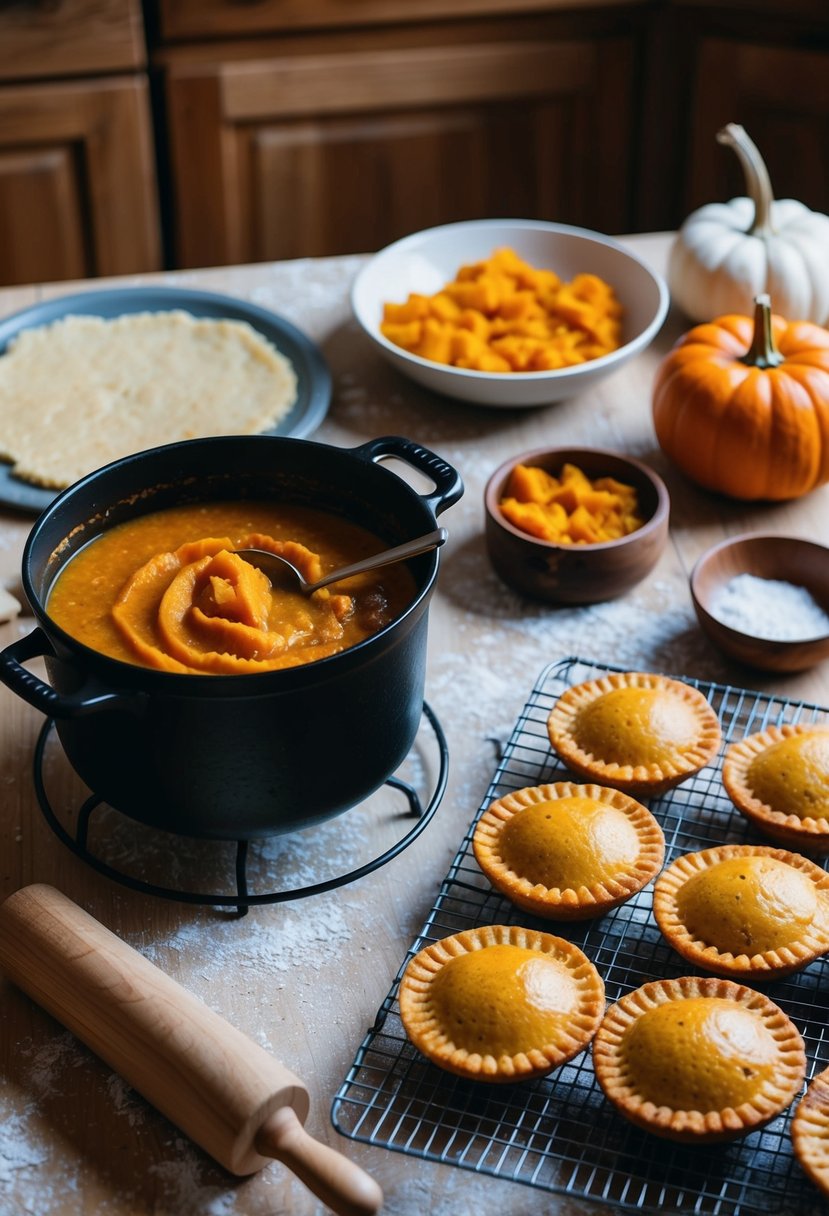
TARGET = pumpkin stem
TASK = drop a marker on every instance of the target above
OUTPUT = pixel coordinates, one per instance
(758, 183)
(763, 351)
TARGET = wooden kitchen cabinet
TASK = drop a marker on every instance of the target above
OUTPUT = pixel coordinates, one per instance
(297, 128)
(77, 183)
(346, 126)
(757, 62)
(78, 193)
(781, 94)
(342, 143)
(195, 19)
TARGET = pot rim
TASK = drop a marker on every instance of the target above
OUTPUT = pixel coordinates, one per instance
(118, 673)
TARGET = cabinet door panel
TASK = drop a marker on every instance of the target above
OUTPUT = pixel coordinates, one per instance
(780, 94)
(77, 175)
(340, 153)
(37, 186)
(354, 185)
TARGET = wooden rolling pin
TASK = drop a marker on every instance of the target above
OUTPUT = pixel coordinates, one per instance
(222, 1089)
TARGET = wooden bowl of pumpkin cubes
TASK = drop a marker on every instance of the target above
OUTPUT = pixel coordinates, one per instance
(575, 525)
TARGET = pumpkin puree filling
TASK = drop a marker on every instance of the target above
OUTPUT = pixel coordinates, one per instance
(204, 608)
(146, 593)
(589, 839)
(705, 1053)
(749, 904)
(635, 725)
(793, 775)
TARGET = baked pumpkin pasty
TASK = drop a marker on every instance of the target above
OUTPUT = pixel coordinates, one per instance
(744, 911)
(699, 1060)
(501, 1003)
(779, 779)
(638, 732)
(568, 852)
(810, 1131)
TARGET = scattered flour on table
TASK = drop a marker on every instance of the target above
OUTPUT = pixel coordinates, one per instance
(311, 296)
(185, 1193)
(28, 1187)
(51, 1060)
(125, 1101)
(20, 1148)
(10, 606)
(310, 936)
(513, 640)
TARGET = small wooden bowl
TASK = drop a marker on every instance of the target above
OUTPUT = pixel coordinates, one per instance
(786, 558)
(577, 574)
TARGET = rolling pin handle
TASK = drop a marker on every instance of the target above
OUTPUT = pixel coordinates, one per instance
(339, 1183)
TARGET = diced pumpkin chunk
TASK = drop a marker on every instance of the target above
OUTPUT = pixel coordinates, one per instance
(526, 319)
(570, 508)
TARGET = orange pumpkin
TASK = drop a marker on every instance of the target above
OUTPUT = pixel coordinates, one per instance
(742, 407)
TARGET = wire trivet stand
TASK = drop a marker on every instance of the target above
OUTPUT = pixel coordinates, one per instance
(242, 899)
(559, 1134)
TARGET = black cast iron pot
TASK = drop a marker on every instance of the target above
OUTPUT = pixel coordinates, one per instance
(236, 757)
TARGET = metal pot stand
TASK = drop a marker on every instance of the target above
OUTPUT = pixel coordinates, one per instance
(421, 805)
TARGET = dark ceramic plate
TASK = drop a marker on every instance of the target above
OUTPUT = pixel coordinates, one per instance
(313, 376)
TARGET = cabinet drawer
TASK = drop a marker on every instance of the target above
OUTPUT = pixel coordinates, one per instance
(70, 38)
(196, 19)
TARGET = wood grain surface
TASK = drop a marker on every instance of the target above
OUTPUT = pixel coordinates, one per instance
(304, 979)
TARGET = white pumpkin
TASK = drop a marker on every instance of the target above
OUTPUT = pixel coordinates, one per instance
(726, 254)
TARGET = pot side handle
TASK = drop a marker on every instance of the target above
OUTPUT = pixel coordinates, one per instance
(448, 483)
(89, 700)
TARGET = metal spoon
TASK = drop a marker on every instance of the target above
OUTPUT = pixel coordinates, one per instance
(280, 570)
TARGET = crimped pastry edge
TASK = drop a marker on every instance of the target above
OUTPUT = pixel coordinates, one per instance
(569, 903)
(807, 832)
(810, 1131)
(643, 780)
(426, 1036)
(695, 1126)
(765, 965)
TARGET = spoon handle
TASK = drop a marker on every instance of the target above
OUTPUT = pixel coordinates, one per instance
(421, 544)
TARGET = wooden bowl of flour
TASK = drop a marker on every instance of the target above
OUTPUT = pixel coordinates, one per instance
(764, 600)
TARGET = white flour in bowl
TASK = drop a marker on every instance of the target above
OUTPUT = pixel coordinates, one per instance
(769, 608)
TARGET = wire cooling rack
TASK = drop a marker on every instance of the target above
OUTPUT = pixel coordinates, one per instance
(559, 1134)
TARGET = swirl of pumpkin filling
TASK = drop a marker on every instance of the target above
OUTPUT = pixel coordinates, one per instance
(203, 608)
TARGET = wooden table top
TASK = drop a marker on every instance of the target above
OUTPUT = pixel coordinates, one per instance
(305, 978)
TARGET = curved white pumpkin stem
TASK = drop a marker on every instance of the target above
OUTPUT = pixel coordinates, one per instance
(758, 182)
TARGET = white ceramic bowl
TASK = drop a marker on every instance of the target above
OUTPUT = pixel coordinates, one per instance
(427, 260)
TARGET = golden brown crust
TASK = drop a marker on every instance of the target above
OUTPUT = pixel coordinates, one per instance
(810, 1131)
(803, 831)
(694, 1126)
(420, 1013)
(570, 902)
(752, 964)
(679, 761)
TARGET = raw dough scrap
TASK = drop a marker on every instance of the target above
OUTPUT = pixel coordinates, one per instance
(84, 391)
